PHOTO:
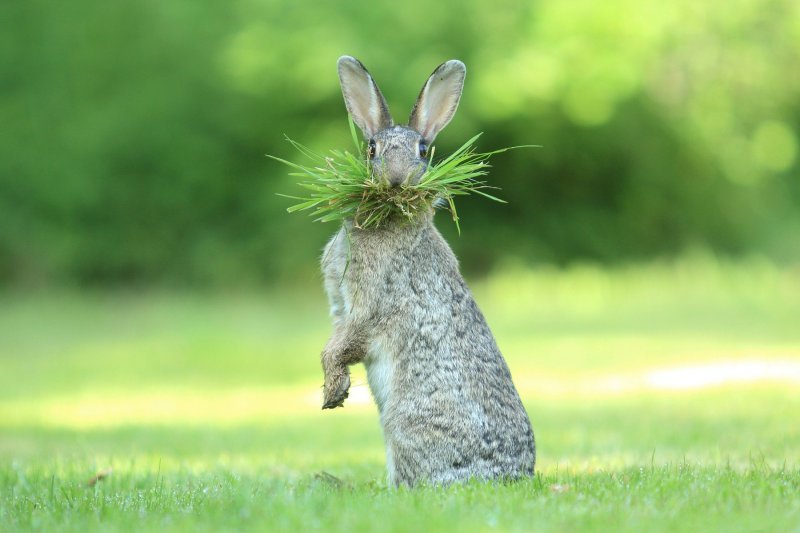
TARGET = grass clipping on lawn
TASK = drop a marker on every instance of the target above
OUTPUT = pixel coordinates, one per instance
(342, 185)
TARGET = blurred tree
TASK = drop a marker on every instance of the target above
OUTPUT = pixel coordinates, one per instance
(133, 133)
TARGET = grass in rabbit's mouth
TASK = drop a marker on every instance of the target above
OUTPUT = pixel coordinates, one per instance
(342, 185)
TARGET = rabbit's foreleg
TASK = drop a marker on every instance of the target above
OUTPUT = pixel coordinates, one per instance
(345, 347)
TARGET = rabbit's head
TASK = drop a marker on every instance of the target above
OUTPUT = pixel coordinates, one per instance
(399, 154)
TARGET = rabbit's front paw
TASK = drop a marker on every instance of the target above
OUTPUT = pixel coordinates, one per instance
(335, 389)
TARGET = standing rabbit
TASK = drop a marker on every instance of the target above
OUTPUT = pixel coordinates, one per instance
(448, 406)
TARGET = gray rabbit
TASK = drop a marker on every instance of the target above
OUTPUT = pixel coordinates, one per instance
(448, 406)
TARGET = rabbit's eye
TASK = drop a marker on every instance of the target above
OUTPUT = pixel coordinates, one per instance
(423, 149)
(371, 149)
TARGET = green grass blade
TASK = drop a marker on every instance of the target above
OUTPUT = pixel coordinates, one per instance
(341, 185)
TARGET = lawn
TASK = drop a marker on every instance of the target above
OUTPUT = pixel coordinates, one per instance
(663, 396)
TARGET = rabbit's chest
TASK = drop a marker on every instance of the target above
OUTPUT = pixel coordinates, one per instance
(380, 371)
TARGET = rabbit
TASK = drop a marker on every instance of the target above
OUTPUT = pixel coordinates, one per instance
(448, 407)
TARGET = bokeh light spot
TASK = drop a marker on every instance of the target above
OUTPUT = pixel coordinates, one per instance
(774, 146)
(247, 60)
(588, 106)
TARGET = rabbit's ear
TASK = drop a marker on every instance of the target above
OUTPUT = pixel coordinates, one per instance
(363, 99)
(438, 100)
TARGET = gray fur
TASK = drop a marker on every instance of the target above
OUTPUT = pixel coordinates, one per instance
(397, 157)
(448, 406)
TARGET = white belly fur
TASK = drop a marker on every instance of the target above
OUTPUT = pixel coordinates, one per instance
(380, 368)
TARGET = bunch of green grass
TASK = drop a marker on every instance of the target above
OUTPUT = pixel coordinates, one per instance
(342, 185)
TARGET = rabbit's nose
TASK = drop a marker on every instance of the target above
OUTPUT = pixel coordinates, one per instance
(396, 181)
(396, 175)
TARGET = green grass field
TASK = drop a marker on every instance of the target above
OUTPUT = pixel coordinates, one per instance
(664, 397)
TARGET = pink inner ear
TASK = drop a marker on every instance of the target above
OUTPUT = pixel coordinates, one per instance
(363, 99)
(438, 101)
(439, 108)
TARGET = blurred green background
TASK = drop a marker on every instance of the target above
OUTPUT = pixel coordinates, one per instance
(162, 314)
(134, 132)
